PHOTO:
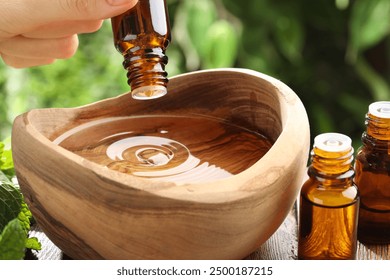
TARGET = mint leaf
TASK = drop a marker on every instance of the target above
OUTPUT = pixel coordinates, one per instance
(15, 217)
(3, 177)
(25, 217)
(12, 241)
(33, 243)
(6, 160)
(10, 202)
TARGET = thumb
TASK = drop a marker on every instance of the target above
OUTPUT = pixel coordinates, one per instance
(18, 16)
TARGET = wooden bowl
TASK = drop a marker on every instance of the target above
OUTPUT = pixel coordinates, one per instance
(91, 212)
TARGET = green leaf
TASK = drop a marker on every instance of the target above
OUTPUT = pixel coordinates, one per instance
(33, 243)
(369, 24)
(222, 39)
(25, 217)
(15, 216)
(6, 160)
(4, 178)
(10, 202)
(12, 241)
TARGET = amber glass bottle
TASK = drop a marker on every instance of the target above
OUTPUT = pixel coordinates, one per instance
(142, 35)
(329, 202)
(372, 167)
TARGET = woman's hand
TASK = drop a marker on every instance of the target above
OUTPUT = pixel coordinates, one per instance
(37, 32)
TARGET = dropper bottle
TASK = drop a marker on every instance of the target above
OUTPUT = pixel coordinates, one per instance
(142, 35)
(372, 167)
(329, 202)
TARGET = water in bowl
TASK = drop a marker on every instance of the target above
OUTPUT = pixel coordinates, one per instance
(180, 149)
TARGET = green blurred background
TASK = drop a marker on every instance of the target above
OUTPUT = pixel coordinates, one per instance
(334, 54)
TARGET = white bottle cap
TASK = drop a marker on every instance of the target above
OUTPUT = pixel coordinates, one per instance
(332, 142)
(380, 109)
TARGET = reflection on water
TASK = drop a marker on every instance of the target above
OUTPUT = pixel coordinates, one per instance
(171, 148)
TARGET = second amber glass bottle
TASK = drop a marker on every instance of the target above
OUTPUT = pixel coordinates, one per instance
(372, 167)
(142, 35)
(329, 202)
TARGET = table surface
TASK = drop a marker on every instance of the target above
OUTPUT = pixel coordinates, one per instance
(282, 245)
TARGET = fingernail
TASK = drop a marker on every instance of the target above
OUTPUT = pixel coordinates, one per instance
(119, 2)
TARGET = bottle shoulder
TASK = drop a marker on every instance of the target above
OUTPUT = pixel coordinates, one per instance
(367, 158)
(330, 194)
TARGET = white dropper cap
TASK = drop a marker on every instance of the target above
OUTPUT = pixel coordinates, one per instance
(380, 109)
(332, 142)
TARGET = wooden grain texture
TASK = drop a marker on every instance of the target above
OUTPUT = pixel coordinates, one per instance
(92, 212)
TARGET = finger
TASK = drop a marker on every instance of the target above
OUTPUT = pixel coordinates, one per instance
(19, 62)
(20, 16)
(40, 48)
(64, 29)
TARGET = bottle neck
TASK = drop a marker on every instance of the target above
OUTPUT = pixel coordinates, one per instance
(146, 72)
(377, 134)
(378, 128)
(332, 168)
